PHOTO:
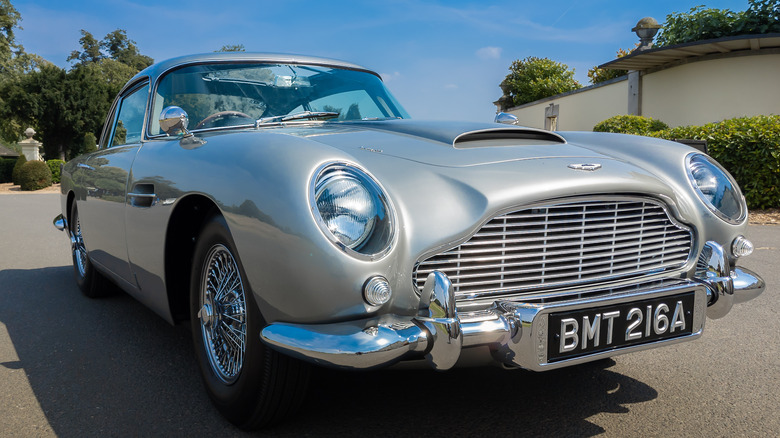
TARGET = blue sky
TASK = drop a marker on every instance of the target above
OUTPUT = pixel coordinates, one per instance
(442, 59)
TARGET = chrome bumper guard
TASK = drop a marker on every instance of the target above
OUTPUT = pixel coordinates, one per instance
(515, 333)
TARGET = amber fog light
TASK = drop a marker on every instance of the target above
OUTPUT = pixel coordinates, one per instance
(741, 247)
(377, 291)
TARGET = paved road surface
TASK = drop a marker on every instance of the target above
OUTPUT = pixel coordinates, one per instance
(71, 366)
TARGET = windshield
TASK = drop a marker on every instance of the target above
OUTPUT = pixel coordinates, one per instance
(221, 95)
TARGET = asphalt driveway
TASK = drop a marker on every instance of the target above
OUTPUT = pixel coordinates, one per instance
(71, 366)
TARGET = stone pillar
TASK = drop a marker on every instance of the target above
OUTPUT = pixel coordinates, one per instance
(634, 93)
(31, 148)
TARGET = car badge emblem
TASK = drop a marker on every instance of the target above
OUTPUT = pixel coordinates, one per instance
(588, 167)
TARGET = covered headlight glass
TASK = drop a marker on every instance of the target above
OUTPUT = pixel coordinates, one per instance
(352, 210)
(716, 188)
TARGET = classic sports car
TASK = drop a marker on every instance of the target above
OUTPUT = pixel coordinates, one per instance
(289, 209)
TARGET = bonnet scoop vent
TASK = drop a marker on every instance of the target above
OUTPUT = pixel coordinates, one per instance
(506, 137)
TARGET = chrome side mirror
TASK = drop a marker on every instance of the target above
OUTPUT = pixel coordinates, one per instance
(174, 120)
(506, 119)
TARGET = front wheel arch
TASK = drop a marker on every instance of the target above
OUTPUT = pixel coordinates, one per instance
(186, 220)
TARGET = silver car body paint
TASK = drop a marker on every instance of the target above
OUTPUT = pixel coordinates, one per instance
(443, 183)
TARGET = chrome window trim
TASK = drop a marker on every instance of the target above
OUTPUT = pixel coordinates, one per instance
(116, 108)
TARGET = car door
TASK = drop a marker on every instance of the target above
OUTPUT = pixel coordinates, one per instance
(105, 176)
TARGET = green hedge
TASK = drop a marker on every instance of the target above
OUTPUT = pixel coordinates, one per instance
(626, 124)
(7, 169)
(748, 147)
(56, 167)
(34, 175)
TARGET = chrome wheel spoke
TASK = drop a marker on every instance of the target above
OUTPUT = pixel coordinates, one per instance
(224, 328)
(79, 251)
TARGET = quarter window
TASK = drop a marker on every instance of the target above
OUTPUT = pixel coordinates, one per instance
(129, 124)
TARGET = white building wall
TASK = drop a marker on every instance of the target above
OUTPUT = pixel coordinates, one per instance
(579, 110)
(710, 91)
(695, 93)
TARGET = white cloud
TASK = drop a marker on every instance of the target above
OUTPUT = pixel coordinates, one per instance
(387, 77)
(489, 53)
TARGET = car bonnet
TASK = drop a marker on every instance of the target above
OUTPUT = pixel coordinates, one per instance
(447, 144)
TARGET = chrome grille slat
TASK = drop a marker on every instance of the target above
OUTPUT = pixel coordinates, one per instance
(562, 245)
(610, 219)
(597, 256)
(626, 241)
(548, 275)
(487, 258)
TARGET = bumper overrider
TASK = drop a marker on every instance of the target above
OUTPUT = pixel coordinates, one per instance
(535, 336)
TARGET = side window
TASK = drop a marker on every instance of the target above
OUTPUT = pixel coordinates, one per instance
(130, 120)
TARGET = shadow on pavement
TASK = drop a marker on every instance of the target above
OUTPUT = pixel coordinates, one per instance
(112, 367)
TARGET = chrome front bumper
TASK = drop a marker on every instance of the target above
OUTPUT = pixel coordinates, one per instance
(515, 333)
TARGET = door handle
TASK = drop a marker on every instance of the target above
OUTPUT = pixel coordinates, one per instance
(142, 196)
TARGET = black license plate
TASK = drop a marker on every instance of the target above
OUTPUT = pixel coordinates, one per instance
(598, 329)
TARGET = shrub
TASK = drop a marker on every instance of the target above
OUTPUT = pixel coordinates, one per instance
(56, 167)
(749, 148)
(6, 170)
(34, 175)
(627, 124)
(17, 167)
(700, 23)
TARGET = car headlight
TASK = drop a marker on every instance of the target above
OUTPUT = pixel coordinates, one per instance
(716, 188)
(352, 210)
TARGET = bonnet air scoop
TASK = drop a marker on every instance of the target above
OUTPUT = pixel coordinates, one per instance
(506, 137)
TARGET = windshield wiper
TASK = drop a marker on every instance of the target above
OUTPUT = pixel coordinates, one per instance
(304, 115)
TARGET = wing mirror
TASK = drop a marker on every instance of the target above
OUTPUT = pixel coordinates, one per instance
(174, 120)
(506, 119)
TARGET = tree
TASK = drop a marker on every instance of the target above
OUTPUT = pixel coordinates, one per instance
(700, 23)
(63, 106)
(123, 49)
(90, 50)
(533, 79)
(115, 46)
(13, 59)
(14, 64)
(232, 48)
(597, 75)
(762, 16)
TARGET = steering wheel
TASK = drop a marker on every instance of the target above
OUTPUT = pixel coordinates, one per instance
(221, 115)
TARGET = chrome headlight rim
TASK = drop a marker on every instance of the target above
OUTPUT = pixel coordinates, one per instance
(743, 211)
(385, 241)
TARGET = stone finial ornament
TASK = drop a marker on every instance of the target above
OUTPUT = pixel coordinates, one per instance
(646, 29)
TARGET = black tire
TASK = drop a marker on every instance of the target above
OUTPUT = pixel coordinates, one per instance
(264, 386)
(91, 282)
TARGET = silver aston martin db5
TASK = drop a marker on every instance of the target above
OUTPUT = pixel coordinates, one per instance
(293, 213)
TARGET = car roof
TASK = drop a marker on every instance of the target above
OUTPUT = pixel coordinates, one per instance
(155, 70)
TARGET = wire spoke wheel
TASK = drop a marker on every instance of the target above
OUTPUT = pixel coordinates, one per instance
(252, 386)
(223, 314)
(79, 250)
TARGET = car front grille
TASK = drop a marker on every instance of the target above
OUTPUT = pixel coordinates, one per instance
(532, 251)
